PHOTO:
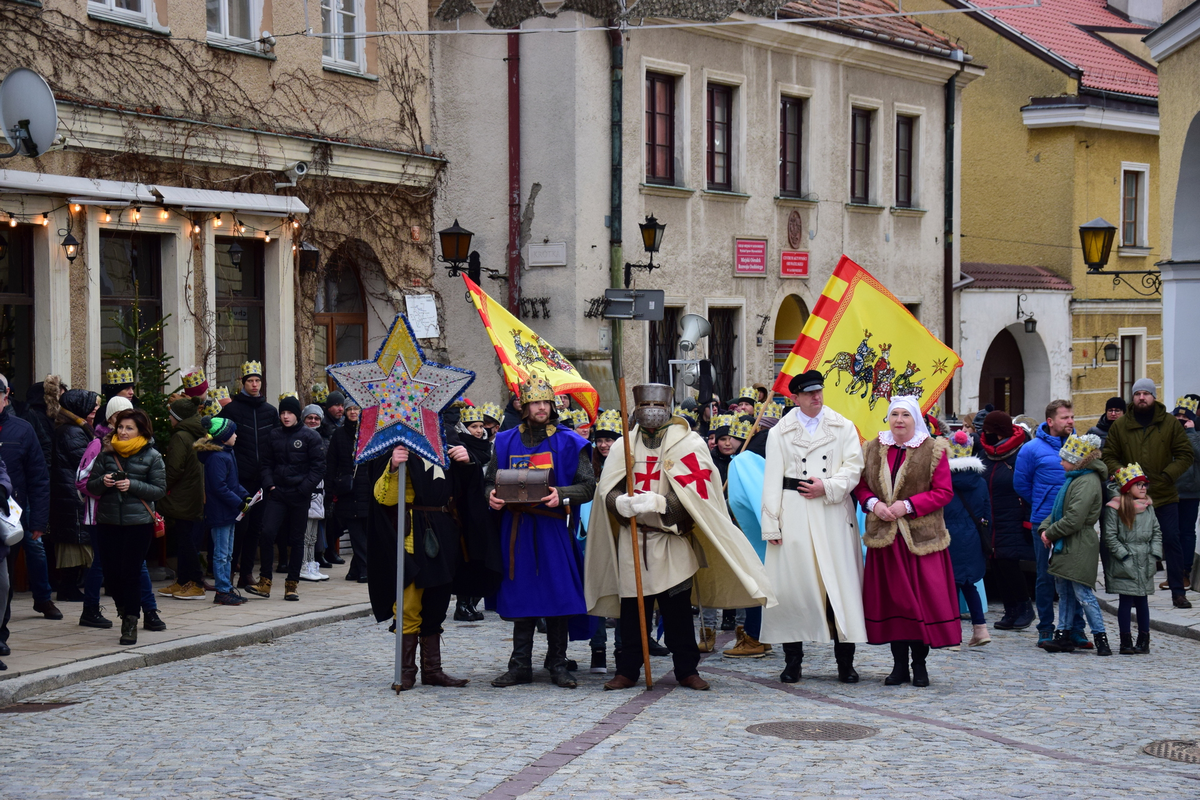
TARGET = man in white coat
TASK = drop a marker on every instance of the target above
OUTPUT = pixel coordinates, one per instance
(814, 559)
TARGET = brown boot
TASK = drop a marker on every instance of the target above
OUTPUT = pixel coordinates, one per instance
(747, 647)
(408, 661)
(431, 664)
(708, 639)
(260, 589)
(289, 590)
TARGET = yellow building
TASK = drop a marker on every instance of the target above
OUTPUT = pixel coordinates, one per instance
(1063, 129)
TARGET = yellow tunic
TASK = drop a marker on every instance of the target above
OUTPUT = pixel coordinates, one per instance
(387, 494)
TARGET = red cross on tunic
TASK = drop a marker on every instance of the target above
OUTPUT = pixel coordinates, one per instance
(649, 476)
(696, 475)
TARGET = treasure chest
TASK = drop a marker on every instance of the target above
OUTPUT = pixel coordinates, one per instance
(526, 486)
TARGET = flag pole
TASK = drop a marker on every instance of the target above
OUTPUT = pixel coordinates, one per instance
(637, 566)
(401, 478)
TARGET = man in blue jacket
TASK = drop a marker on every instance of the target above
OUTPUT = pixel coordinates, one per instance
(26, 465)
(1037, 477)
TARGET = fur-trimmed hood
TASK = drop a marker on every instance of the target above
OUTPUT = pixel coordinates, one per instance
(207, 445)
(51, 389)
(965, 463)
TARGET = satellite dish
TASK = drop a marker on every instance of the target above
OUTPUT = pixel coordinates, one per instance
(28, 114)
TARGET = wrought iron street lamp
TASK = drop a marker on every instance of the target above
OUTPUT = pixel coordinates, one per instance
(1096, 238)
(652, 235)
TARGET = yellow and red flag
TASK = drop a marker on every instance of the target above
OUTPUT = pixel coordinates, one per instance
(522, 351)
(870, 349)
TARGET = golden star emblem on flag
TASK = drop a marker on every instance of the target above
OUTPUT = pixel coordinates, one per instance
(402, 396)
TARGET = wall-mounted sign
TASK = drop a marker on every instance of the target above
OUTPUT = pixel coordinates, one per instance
(549, 254)
(750, 257)
(793, 264)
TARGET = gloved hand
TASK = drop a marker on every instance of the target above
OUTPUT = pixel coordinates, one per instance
(640, 504)
(245, 504)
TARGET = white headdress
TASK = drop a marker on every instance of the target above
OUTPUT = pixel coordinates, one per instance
(921, 433)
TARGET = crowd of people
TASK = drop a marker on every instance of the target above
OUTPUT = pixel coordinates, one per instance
(767, 516)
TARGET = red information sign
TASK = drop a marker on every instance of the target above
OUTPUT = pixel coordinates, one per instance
(750, 257)
(793, 264)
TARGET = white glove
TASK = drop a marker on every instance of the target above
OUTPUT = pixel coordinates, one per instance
(640, 504)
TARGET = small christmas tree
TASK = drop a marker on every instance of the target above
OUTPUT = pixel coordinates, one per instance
(151, 369)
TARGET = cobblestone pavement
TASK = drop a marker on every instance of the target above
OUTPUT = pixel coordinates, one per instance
(312, 716)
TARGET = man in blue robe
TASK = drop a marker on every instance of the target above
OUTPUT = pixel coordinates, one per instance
(542, 575)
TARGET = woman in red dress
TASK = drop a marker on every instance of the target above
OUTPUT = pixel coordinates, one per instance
(909, 597)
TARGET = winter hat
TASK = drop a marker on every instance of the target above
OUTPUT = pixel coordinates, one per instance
(335, 398)
(1186, 405)
(311, 408)
(1145, 385)
(183, 408)
(116, 406)
(982, 415)
(961, 444)
(1080, 450)
(998, 424)
(220, 429)
(1115, 402)
(289, 403)
(1128, 475)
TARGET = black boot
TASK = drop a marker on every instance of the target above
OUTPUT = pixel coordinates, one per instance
(92, 618)
(793, 654)
(844, 655)
(1143, 643)
(1061, 643)
(520, 664)
(1005, 623)
(899, 672)
(1101, 640)
(461, 612)
(728, 619)
(556, 646)
(920, 676)
(331, 555)
(473, 607)
(151, 621)
(1127, 648)
(129, 625)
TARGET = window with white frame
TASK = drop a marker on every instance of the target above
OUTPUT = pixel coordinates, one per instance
(1135, 205)
(344, 19)
(233, 22)
(137, 12)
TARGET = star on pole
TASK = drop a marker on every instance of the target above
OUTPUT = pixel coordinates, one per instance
(401, 396)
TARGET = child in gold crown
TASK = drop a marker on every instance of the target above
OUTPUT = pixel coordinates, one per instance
(1134, 539)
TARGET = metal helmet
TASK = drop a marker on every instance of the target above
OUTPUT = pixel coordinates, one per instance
(653, 404)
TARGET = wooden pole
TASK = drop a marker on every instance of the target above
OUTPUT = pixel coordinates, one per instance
(757, 420)
(637, 565)
(401, 477)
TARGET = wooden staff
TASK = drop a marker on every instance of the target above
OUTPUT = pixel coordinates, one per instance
(637, 566)
(758, 420)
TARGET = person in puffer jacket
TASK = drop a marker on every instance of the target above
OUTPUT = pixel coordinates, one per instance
(293, 464)
(71, 538)
(224, 499)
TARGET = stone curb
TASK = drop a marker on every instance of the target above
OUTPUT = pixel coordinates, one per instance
(16, 689)
(1173, 628)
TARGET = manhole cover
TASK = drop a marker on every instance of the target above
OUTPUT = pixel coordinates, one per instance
(29, 708)
(1175, 750)
(813, 731)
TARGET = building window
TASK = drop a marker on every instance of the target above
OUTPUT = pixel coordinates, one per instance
(722, 351)
(860, 156)
(719, 127)
(232, 21)
(664, 344)
(906, 133)
(660, 128)
(137, 12)
(130, 289)
(1130, 367)
(791, 125)
(340, 320)
(1134, 205)
(240, 322)
(344, 18)
(16, 308)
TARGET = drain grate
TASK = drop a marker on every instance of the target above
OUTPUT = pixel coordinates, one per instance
(813, 731)
(30, 708)
(1175, 750)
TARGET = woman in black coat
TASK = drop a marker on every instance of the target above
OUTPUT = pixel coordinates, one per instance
(348, 490)
(1012, 536)
(72, 539)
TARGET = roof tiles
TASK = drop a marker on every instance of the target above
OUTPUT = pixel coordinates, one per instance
(1014, 276)
(900, 31)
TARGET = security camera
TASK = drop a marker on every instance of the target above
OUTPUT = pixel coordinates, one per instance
(293, 173)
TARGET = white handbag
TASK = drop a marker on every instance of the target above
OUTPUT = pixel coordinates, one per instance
(11, 532)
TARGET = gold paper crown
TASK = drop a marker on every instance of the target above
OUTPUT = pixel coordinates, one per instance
(120, 377)
(690, 414)
(610, 422)
(218, 393)
(961, 444)
(288, 394)
(721, 421)
(1078, 448)
(252, 368)
(748, 392)
(1191, 404)
(319, 392)
(493, 411)
(210, 408)
(1130, 473)
(741, 429)
(771, 410)
(535, 389)
(194, 378)
(471, 414)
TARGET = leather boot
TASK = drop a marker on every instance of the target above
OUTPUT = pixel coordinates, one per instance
(1102, 646)
(462, 613)
(1143, 643)
(556, 645)
(1061, 643)
(1025, 616)
(129, 625)
(520, 664)
(900, 673)
(1005, 623)
(793, 655)
(408, 661)
(1127, 648)
(920, 676)
(289, 590)
(844, 655)
(728, 619)
(431, 664)
(92, 618)
(473, 607)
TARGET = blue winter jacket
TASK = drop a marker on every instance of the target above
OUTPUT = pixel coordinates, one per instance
(1039, 473)
(223, 495)
(26, 464)
(966, 512)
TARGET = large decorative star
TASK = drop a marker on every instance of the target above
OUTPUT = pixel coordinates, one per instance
(401, 395)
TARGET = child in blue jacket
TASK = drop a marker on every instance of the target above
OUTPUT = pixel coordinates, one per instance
(224, 498)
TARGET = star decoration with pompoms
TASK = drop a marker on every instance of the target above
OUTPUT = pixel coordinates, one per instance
(401, 395)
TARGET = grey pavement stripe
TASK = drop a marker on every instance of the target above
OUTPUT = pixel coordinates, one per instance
(953, 726)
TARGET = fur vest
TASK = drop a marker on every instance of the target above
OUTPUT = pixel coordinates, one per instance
(923, 535)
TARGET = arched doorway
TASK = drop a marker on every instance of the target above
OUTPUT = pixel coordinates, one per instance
(789, 322)
(1002, 380)
(340, 315)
